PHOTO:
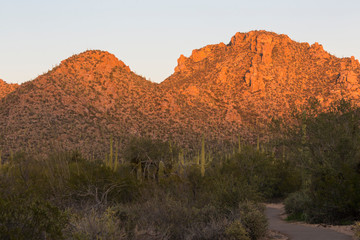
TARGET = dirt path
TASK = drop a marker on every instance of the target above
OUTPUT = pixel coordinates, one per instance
(300, 232)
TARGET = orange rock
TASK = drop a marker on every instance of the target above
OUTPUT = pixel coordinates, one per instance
(348, 77)
(264, 47)
(192, 90)
(254, 79)
(317, 50)
(354, 62)
(200, 54)
(237, 39)
(181, 63)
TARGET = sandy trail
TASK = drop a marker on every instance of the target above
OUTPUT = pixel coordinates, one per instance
(298, 231)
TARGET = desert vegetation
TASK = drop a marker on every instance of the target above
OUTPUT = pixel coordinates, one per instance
(154, 189)
(357, 230)
(325, 146)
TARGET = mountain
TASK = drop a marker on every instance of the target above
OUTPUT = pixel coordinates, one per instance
(221, 91)
(260, 75)
(78, 104)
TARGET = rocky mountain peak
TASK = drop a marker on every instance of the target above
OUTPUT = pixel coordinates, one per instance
(258, 43)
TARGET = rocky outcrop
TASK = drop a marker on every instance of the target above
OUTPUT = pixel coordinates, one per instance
(263, 45)
(265, 74)
(181, 63)
(254, 79)
(317, 50)
(349, 76)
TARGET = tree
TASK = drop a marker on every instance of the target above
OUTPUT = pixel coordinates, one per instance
(326, 145)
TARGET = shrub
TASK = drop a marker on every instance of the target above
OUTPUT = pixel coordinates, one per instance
(270, 177)
(96, 224)
(149, 153)
(357, 230)
(326, 147)
(227, 192)
(95, 183)
(167, 218)
(236, 231)
(296, 205)
(108, 203)
(334, 194)
(30, 219)
(253, 218)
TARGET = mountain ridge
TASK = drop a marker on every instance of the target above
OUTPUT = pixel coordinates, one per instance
(220, 91)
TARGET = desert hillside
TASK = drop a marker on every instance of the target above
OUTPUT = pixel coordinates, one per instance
(221, 91)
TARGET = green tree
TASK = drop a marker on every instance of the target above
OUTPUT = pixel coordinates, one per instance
(326, 146)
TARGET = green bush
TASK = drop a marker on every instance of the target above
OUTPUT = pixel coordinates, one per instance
(236, 231)
(254, 220)
(227, 192)
(271, 177)
(279, 178)
(97, 184)
(30, 219)
(148, 153)
(96, 224)
(325, 146)
(334, 194)
(357, 230)
(296, 205)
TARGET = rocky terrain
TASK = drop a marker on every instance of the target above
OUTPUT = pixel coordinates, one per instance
(221, 91)
(5, 88)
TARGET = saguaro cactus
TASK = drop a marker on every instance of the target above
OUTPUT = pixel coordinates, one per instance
(202, 159)
(139, 171)
(239, 142)
(110, 160)
(116, 160)
(161, 172)
(181, 163)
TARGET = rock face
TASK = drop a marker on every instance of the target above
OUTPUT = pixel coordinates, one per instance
(348, 75)
(220, 91)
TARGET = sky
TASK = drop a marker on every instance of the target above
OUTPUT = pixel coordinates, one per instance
(150, 35)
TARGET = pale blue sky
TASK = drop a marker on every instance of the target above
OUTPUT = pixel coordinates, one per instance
(149, 36)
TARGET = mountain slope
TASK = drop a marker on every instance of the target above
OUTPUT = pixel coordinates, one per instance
(220, 91)
(78, 104)
(260, 75)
